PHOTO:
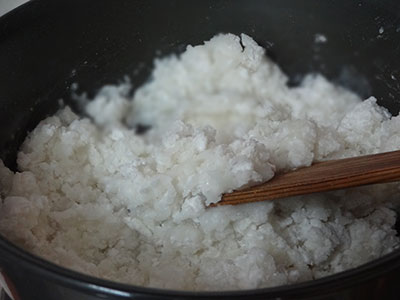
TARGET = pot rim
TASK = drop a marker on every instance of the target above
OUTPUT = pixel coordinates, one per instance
(86, 283)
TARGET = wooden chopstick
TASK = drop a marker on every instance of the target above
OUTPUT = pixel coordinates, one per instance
(322, 177)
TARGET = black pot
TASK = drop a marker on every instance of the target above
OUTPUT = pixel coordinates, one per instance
(47, 45)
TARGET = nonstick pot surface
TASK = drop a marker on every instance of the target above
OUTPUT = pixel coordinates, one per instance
(47, 45)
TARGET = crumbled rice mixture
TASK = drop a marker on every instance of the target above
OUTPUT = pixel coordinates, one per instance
(94, 196)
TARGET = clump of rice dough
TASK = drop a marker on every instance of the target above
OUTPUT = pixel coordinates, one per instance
(94, 196)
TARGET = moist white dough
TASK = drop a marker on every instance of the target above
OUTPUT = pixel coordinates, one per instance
(93, 196)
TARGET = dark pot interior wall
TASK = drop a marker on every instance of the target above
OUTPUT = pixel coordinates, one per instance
(46, 48)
